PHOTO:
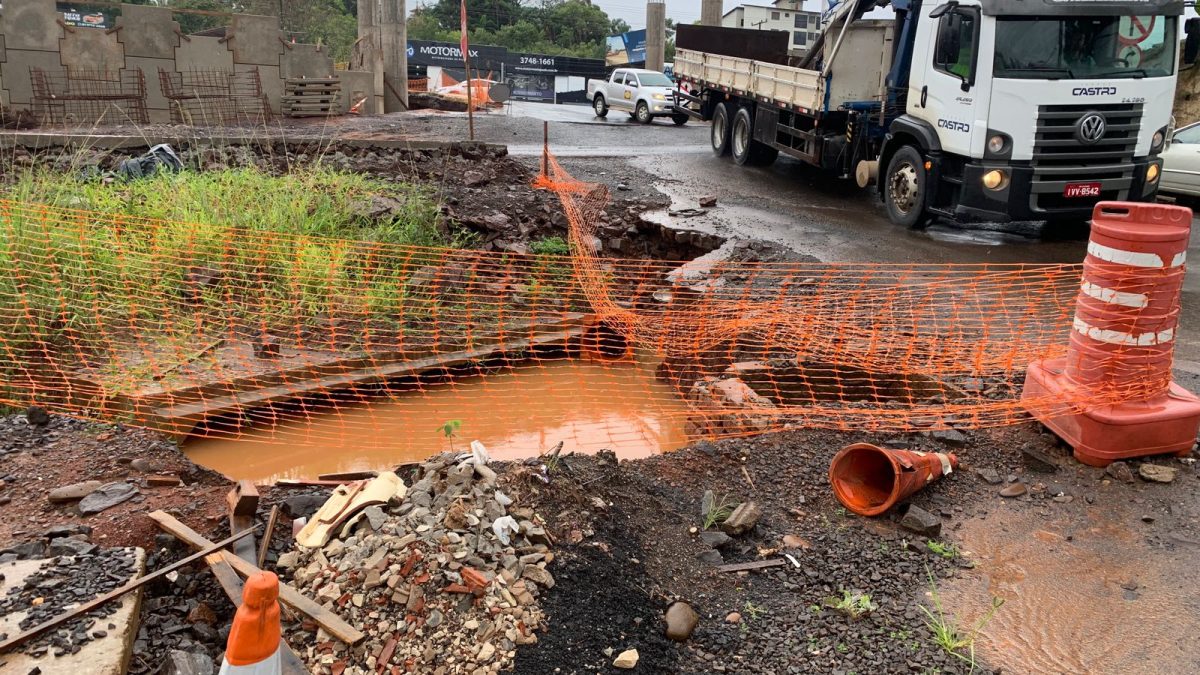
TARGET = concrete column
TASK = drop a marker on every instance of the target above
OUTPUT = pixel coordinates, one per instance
(393, 39)
(710, 13)
(656, 34)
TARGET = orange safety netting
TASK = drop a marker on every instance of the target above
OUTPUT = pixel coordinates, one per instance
(310, 341)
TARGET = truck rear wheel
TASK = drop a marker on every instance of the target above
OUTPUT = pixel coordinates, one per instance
(720, 130)
(745, 149)
(904, 188)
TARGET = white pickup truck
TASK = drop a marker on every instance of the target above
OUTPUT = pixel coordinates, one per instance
(644, 94)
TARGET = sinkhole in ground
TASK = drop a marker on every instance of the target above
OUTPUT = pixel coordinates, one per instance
(516, 412)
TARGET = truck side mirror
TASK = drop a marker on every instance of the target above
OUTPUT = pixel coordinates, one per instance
(1191, 42)
(940, 11)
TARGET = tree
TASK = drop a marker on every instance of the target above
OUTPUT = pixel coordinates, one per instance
(489, 15)
(618, 26)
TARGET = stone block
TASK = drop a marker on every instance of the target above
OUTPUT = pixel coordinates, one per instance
(92, 49)
(306, 61)
(147, 32)
(15, 73)
(356, 85)
(256, 40)
(31, 24)
(203, 53)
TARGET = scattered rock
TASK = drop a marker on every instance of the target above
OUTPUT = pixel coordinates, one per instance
(106, 497)
(681, 621)
(302, 506)
(924, 523)
(73, 492)
(1036, 459)
(1014, 490)
(288, 560)
(715, 538)
(37, 416)
(475, 178)
(202, 613)
(989, 476)
(187, 663)
(742, 520)
(708, 201)
(1155, 473)
(626, 660)
(733, 617)
(951, 437)
(707, 503)
(793, 542)
(712, 557)
(70, 546)
(1120, 471)
(144, 465)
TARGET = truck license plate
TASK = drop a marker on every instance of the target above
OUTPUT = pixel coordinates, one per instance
(1082, 190)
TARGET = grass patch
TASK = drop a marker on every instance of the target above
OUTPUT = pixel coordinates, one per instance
(718, 512)
(948, 635)
(551, 246)
(947, 551)
(853, 605)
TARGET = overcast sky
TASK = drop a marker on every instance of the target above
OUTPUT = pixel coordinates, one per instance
(683, 11)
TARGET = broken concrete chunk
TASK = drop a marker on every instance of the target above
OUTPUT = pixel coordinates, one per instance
(742, 520)
(716, 539)
(188, 663)
(1014, 490)
(73, 492)
(924, 523)
(106, 497)
(538, 576)
(1120, 471)
(1156, 474)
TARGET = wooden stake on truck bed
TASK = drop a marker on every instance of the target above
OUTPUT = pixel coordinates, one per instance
(332, 623)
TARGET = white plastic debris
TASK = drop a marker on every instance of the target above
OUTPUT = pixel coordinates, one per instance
(502, 526)
(479, 454)
(503, 499)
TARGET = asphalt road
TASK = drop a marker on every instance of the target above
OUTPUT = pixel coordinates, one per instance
(788, 202)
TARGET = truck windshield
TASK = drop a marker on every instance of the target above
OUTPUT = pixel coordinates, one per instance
(1044, 48)
(655, 80)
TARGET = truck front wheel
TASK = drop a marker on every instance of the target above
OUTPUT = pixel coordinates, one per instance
(904, 188)
(600, 106)
(720, 130)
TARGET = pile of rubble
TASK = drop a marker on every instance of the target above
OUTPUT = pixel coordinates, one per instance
(442, 580)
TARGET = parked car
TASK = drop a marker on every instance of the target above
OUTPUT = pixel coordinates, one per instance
(1181, 163)
(644, 94)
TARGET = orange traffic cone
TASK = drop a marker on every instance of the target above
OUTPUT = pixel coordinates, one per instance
(253, 646)
(869, 480)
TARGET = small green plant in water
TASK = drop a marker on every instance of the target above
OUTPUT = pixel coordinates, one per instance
(947, 634)
(853, 605)
(718, 512)
(945, 550)
(449, 429)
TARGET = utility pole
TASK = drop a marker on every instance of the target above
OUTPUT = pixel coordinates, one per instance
(710, 13)
(393, 39)
(370, 51)
(656, 35)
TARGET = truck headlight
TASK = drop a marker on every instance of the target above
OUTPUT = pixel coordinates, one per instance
(1151, 173)
(995, 179)
(995, 144)
(660, 97)
(1158, 140)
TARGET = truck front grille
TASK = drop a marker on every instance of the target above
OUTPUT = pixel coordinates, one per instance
(1060, 157)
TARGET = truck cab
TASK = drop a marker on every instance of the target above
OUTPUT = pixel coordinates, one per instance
(1030, 109)
(644, 94)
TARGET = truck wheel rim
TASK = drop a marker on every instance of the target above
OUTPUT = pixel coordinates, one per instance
(741, 138)
(643, 113)
(598, 106)
(903, 187)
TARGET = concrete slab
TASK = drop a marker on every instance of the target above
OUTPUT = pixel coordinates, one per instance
(306, 61)
(203, 53)
(155, 100)
(15, 72)
(147, 31)
(357, 85)
(108, 655)
(88, 49)
(256, 40)
(272, 86)
(31, 24)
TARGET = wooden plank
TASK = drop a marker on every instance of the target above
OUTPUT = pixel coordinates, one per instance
(756, 565)
(207, 548)
(267, 534)
(332, 623)
(243, 504)
(349, 475)
(232, 584)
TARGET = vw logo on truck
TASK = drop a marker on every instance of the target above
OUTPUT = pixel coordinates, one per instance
(1090, 128)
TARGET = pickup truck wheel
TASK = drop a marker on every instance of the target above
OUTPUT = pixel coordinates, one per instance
(600, 106)
(643, 113)
(720, 130)
(904, 188)
(741, 137)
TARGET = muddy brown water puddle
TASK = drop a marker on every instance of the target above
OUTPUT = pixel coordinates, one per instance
(1100, 602)
(516, 414)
